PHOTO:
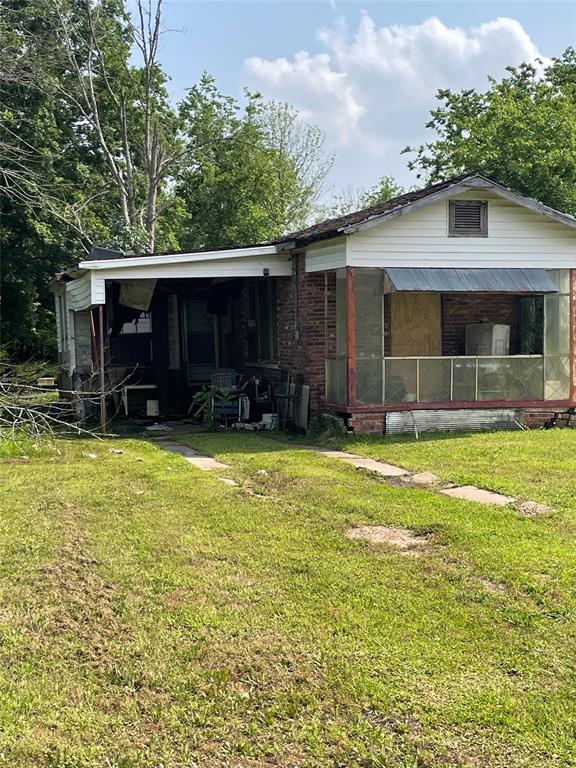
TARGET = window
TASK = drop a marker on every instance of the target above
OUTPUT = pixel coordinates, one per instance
(142, 324)
(262, 321)
(468, 218)
(132, 344)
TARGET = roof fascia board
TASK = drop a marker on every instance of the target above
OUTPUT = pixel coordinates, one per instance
(180, 258)
(474, 182)
(280, 267)
(530, 203)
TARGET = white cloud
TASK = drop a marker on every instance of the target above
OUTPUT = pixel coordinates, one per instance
(372, 90)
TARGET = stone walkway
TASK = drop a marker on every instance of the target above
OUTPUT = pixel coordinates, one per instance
(386, 470)
(426, 480)
(432, 482)
(193, 457)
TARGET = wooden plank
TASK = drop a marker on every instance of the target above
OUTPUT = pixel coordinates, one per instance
(351, 335)
(416, 324)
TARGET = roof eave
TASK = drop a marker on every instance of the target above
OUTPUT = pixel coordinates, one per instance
(181, 258)
(475, 181)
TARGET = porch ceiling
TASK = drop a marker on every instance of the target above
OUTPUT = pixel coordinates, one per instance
(469, 280)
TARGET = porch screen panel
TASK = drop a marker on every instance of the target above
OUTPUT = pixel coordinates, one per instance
(336, 357)
(434, 379)
(557, 338)
(369, 335)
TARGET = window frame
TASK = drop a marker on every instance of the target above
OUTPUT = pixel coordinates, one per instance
(481, 204)
(265, 338)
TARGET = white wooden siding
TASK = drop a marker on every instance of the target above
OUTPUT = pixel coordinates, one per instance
(517, 237)
(278, 266)
(58, 299)
(79, 293)
(82, 340)
(330, 254)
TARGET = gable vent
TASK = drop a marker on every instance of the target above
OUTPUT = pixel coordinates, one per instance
(468, 218)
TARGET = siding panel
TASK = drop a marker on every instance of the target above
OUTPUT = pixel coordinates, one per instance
(516, 237)
(328, 255)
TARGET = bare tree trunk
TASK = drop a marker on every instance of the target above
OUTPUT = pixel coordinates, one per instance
(138, 207)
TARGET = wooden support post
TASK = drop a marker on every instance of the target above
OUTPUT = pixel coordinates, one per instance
(102, 364)
(351, 336)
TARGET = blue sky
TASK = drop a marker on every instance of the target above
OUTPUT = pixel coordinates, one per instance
(365, 72)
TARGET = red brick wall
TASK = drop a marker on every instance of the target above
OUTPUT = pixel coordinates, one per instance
(459, 310)
(366, 423)
(302, 327)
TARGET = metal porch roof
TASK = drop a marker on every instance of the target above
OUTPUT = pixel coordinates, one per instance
(471, 280)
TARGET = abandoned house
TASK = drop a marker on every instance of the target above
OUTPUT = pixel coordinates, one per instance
(448, 307)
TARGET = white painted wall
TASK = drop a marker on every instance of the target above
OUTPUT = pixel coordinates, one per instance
(79, 293)
(82, 341)
(517, 237)
(330, 254)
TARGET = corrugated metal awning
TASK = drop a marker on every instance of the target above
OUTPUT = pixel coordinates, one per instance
(469, 280)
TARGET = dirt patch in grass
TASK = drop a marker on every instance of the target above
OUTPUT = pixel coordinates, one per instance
(533, 509)
(408, 542)
(493, 586)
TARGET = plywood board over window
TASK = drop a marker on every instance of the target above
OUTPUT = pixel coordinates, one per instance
(416, 324)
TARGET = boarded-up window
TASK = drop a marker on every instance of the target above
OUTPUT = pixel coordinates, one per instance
(468, 218)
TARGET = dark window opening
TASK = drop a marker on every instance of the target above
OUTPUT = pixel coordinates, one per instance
(531, 325)
(262, 321)
(132, 345)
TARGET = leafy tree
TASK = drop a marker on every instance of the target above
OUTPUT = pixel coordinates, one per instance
(93, 150)
(251, 173)
(353, 199)
(83, 155)
(298, 166)
(48, 174)
(521, 132)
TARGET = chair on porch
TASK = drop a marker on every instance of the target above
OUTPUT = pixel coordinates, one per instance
(228, 398)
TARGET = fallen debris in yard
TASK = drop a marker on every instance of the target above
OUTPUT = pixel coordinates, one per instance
(407, 541)
(89, 456)
(116, 450)
(228, 480)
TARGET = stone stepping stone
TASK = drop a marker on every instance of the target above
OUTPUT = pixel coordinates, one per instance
(386, 470)
(424, 479)
(193, 457)
(479, 495)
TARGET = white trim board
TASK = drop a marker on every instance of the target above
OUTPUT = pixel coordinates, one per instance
(178, 258)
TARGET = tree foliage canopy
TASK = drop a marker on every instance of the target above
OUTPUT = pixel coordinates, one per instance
(353, 199)
(521, 131)
(93, 150)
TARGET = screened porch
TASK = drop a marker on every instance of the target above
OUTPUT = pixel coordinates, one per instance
(505, 340)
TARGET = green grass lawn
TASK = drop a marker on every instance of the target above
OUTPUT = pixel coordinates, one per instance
(152, 616)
